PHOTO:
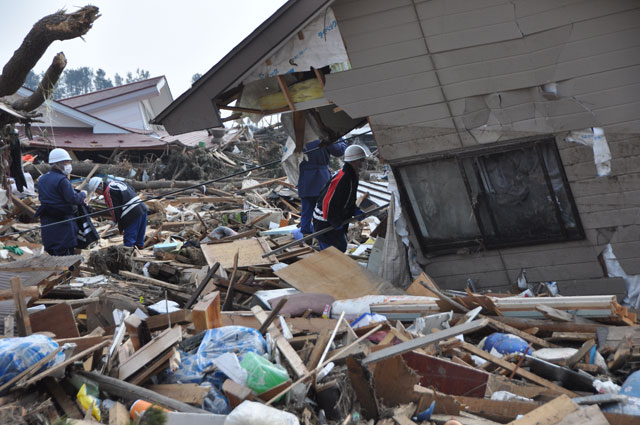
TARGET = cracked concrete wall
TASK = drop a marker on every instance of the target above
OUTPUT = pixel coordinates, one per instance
(438, 75)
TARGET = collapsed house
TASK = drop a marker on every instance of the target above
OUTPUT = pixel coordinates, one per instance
(511, 127)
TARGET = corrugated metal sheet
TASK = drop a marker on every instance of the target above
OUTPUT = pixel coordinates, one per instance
(34, 277)
(378, 192)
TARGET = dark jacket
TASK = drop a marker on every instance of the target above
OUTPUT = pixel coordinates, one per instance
(120, 194)
(314, 171)
(87, 233)
(337, 201)
(58, 202)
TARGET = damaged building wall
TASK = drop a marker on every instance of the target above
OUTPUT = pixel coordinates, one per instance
(435, 76)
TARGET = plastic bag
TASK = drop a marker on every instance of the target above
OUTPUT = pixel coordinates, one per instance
(89, 402)
(18, 354)
(262, 375)
(504, 343)
(252, 413)
(229, 339)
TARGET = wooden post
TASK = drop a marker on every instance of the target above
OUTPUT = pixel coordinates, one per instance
(22, 317)
(138, 331)
(206, 314)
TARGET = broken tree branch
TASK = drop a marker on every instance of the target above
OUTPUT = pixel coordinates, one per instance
(45, 88)
(57, 26)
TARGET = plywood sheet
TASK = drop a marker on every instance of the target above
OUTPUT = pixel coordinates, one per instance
(251, 251)
(332, 272)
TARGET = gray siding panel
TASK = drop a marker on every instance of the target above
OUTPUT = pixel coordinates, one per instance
(389, 53)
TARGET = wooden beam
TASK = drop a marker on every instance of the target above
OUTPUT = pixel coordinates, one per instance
(291, 356)
(23, 323)
(152, 281)
(527, 337)
(511, 367)
(132, 392)
(64, 364)
(299, 124)
(86, 179)
(424, 341)
(23, 206)
(319, 76)
(186, 393)
(578, 355)
(212, 271)
(146, 354)
(272, 315)
(549, 413)
(285, 90)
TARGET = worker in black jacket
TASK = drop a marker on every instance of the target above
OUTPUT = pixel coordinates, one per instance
(337, 201)
(130, 213)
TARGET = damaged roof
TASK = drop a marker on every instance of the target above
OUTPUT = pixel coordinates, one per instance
(195, 109)
(110, 93)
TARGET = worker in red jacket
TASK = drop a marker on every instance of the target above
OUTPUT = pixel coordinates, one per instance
(130, 213)
(337, 201)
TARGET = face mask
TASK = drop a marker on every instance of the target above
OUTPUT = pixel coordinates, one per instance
(67, 169)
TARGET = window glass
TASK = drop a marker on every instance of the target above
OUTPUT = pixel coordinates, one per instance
(506, 195)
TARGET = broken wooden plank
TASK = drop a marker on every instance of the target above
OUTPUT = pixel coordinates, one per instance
(64, 364)
(578, 355)
(149, 352)
(118, 414)
(511, 367)
(132, 392)
(152, 281)
(318, 349)
(138, 331)
(251, 249)
(206, 313)
(424, 341)
(186, 393)
(235, 392)
(212, 271)
(292, 357)
(58, 319)
(23, 323)
(549, 413)
(527, 337)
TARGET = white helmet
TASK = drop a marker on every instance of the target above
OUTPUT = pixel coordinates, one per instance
(94, 183)
(58, 155)
(354, 153)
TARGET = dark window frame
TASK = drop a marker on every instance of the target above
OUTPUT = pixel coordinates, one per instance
(483, 243)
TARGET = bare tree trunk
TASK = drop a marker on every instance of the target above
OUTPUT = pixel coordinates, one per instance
(46, 86)
(57, 26)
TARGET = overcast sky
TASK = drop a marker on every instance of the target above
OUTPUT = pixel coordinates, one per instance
(175, 38)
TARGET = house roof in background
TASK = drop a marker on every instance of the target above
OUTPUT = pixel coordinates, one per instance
(99, 96)
(85, 139)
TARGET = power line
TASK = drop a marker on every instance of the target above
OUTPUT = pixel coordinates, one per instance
(164, 195)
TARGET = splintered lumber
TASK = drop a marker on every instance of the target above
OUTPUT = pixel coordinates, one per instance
(206, 313)
(132, 392)
(578, 355)
(424, 341)
(292, 357)
(511, 367)
(318, 348)
(236, 393)
(186, 393)
(320, 366)
(23, 323)
(23, 206)
(274, 313)
(138, 331)
(212, 271)
(118, 414)
(527, 337)
(151, 281)
(64, 364)
(149, 352)
(549, 413)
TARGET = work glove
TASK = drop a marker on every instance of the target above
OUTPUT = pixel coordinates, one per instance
(15, 249)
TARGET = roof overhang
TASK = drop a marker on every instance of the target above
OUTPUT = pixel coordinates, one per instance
(196, 108)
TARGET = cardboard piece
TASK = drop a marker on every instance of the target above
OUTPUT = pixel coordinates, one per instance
(331, 272)
(251, 251)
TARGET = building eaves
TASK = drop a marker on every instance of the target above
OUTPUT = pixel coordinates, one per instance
(195, 109)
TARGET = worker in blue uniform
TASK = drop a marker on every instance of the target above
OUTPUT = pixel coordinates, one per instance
(58, 202)
(314, 175)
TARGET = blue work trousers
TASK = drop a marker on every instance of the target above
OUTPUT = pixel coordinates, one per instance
(306, 213)
(336, 238)
(134, 232)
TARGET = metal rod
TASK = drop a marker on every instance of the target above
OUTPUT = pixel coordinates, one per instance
(323, 231)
